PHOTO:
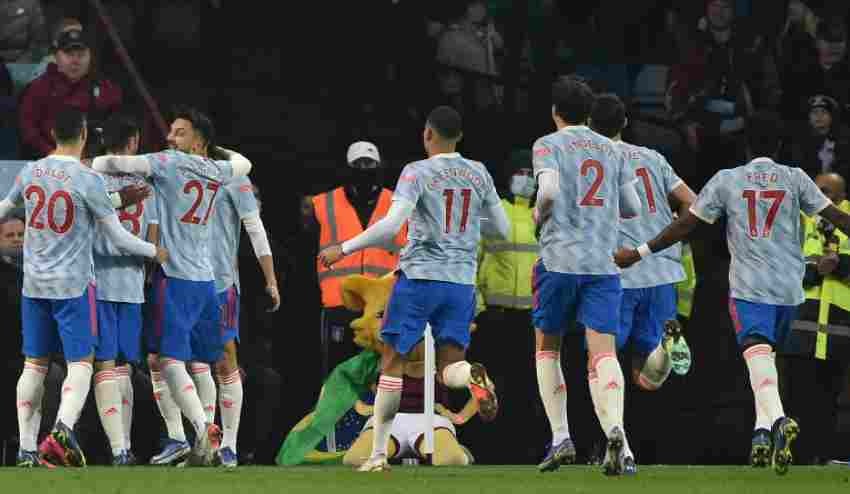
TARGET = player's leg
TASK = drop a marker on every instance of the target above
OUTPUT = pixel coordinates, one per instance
(554, 299)
(107, 393)
(76, 320)
(652, 345)
(205, 384)
(229, 378)
(402, 329)
(451, 317)
(758, 326)
(360, 450)
(129, 354)
(447, 449)
(185, 302)
(39, 340)
(599, 311)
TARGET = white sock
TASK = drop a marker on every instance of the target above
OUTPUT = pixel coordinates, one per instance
(610, 389)
(29, 392)
(553, 393)
(125, 385)
(205, 385)
(75, 390)
(764, 381)
(167, 407)
(230, 399)
(656, 369)
(593, 385)
(387, 401)
(184, 394)
(107, 397)
(457, 375)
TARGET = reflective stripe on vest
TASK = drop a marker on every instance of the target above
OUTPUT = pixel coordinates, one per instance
(509, 300)
(506, 247)
(814, 327)
(336, 273)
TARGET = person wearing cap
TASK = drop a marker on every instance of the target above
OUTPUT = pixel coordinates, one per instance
(826, 71)
(341, 214)
(823, 144)
(69, 82)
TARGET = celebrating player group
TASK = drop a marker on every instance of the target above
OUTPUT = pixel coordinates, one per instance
(142, 250)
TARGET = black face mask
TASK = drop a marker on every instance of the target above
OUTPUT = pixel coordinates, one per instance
(365, 179)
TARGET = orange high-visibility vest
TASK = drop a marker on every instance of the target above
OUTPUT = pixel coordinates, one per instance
(339, 222)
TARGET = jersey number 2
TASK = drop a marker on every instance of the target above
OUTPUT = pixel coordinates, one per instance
(196, 185)
(751, 196)
(40, 196)
(590, 198)
(449, 194)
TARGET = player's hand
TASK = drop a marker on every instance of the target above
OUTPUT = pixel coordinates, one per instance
(161, 255)
(626, 257)
(828, 264)
(275, 295)
(331, 255)
(133, 194)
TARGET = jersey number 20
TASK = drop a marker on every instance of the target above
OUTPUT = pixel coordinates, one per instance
(752, 196)
(37, 222)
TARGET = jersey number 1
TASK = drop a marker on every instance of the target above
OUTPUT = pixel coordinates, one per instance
(449, 194)
(751, 196)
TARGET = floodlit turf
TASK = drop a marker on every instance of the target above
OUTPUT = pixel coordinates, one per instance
(424, 480)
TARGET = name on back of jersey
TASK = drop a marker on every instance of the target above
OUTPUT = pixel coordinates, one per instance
(763, 179)
(455, 172)
(60, 175)
(596, 145)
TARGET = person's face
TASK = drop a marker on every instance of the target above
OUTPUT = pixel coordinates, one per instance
(719, 14)
(831, 188)
(74, 63)
(182, 137)
(820, 120)
(12, 234)
(477, 12)
(133, 144)
(831, 52)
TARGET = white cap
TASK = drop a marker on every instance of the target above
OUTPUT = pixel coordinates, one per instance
(363, 149)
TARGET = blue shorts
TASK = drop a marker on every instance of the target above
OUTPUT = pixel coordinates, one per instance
(119, 327)
(54, 325)
(228, 300)
(186, 319)
(771, 322)
(642, 316)
(589, 299)
(448, 307)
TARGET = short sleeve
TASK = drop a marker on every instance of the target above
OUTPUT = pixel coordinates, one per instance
(225, 171)
(97, 198)
(812, 200)
(671, 179)
(709, 206)
(492, 195)
(543, 157)
(409, 186)
(242, 192)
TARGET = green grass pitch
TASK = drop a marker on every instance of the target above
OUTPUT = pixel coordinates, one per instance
(416, 480)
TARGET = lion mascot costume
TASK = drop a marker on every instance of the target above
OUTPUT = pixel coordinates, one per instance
(340, 397)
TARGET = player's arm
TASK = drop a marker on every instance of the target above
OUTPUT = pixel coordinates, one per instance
(681, 198)
(497, 224)
(547, 190)
(13, 199)
(674, 232)
(838, 218)
(135, 165)
(241, 165)
(260, 241)
(383, 230)
(125, 241)
(629, 200)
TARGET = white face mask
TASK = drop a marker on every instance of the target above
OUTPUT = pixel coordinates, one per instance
(522, 185)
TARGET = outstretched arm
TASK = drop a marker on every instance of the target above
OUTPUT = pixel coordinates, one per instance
(838, 218)
(496, 224)
(674, 232)
(241, 165)
(136, 165)
(380, 232)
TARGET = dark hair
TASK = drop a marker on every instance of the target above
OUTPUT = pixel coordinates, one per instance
(446, 121)
(68, 126)
(118, 130)
(201, 123)
(573, 100)
(764, 133)
(609, 115)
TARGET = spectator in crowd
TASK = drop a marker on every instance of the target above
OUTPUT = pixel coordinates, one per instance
(822, 145)
(813, 367)
(470, 43)
(712, 92)
(797, 40)
(23, 36)
(11, 360)
(70, 82)
(825, 71)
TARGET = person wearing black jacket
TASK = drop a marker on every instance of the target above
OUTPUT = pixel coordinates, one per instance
(823, 145)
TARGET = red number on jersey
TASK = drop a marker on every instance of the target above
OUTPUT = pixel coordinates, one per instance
(590, 198)
(35, 217)
(133, 216)
(449, 194)
(643, 173)
(751, 196)
(196, 185)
